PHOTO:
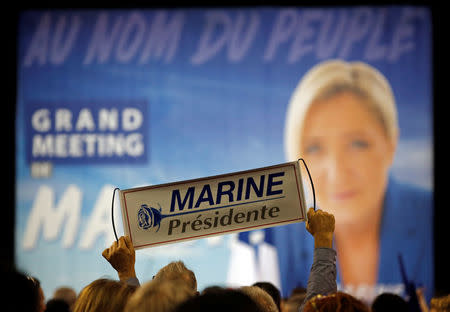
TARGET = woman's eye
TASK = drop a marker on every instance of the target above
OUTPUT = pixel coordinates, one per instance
(312, 149)
(361, 144)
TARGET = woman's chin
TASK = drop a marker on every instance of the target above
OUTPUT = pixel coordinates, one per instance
(346, 216)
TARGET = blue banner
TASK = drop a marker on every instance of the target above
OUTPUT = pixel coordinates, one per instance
(128, 98)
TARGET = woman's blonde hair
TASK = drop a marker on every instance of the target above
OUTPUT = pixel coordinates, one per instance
(160, 296)
(335, 302)
(175, 270)
(329, 78)
(262, 298)
(104, 295)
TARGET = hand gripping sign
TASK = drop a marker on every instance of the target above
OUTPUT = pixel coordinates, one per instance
(215, 205)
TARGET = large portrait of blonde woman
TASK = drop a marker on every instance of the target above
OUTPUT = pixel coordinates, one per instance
(343, 120)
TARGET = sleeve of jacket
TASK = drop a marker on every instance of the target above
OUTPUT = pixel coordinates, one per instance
(322, 277)
(133, 281)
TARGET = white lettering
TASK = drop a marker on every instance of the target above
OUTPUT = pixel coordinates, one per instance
(63, 120)
(131, 119)
(60, 50)
(284, 28)
(125, 49)
(163, 37)
(51, 218)
(375, 49)
(41, 170)
(330, 34)
(108, 119)
(131, 35)
(305, 33)
(61, 146)
(41, 121)
(64, 218)
(359, 25)
(233, 33)
(53, 47)
(90, 140)
(79, 145)
(134, 145)
(85, 120)
(240, 42)
(43, 146)
(403, 37)
(208, 47)
(102, 43)
(75, 146)
(39, 43)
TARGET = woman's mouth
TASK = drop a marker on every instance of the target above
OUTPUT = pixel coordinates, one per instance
(343, 195)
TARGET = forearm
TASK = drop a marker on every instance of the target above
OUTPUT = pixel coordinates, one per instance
(322, 278)
(125, 275)
(323, 240)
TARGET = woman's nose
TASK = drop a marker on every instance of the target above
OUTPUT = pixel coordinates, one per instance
(338, 167)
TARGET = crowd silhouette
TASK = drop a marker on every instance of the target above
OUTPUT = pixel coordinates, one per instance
(174, 287)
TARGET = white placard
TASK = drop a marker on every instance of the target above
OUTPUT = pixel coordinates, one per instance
(234, 202)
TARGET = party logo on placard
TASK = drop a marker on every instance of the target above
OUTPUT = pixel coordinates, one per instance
(149, 217)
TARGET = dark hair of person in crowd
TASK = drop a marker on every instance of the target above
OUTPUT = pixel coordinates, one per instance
(67, 294)
(299, 290)
(212, 289)
(224, 300)
(335, 302)
(272, 290)
(22, 292)
(57, 305)
(41, 297)
(104, 295)
(293, 302)
(389, 302)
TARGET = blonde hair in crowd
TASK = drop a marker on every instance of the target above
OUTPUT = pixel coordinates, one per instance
(159, 296)
(335, 302)
(104, 295)
(440, 304)
(264, 301)
(331, 77)
(176, 270)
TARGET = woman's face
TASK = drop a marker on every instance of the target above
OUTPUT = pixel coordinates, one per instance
(349, 155)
